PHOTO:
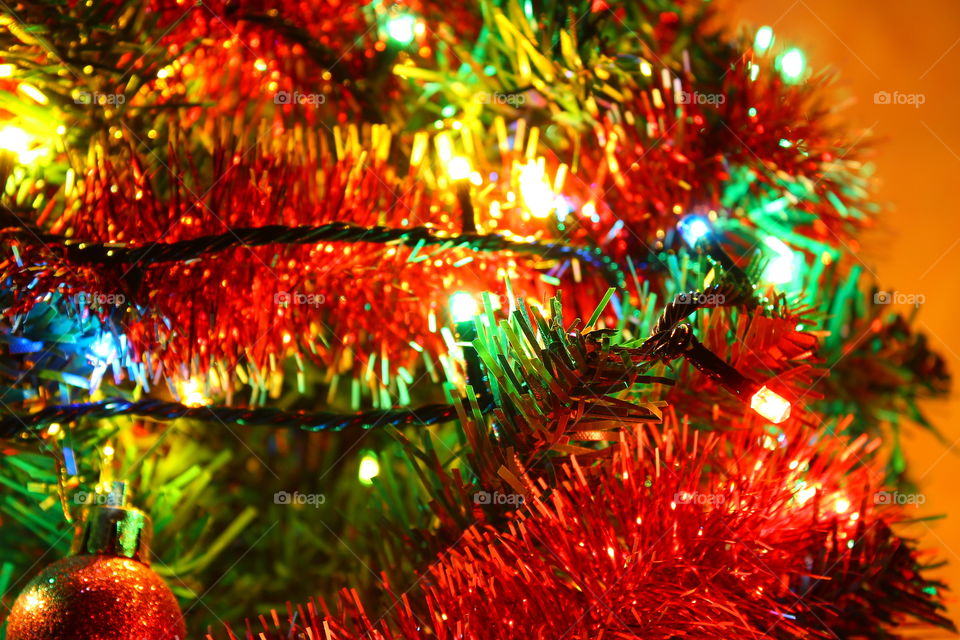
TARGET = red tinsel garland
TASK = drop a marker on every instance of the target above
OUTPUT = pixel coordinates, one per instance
(740, 534)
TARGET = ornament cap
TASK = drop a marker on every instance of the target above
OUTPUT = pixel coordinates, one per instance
(115, 529)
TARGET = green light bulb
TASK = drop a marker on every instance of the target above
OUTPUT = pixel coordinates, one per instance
(792, 65)
(763, 40)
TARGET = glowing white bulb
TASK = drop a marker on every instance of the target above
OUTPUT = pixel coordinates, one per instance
(459, 168)
(402, 28)
(589, 210)
(770, 405)
(17, 141)
(779, 270)
(463, 307)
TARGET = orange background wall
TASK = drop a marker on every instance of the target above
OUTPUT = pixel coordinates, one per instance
(911, 47)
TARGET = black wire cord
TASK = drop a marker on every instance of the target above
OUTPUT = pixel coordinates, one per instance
(156, 253)
(12, 425)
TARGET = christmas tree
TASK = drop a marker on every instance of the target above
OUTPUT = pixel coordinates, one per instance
(497, 319)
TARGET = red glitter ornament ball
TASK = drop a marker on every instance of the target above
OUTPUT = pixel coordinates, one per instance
(96, 597)
(106, 589)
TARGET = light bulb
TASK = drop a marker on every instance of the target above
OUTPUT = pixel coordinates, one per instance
(369, 468)
(459, 168)
(402, 28)
(779, 270)
(463, 307)
(763, 40)
(191, 393)
(693, 228)
(17, 141)
(842, 505)
(770, 405)
(103, 350)
(804, 493)
(792, 65)
(535, 190)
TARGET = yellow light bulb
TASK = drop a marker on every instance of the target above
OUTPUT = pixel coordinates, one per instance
(535, 190)
(842, 505)
(191, 393)
(15, 140)
(770, 405)
(369, 468)
(459, 168)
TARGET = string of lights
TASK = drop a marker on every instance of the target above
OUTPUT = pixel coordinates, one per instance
(185, 250)
(671, 338)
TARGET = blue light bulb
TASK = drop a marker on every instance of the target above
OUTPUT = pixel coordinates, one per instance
(693, 228)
